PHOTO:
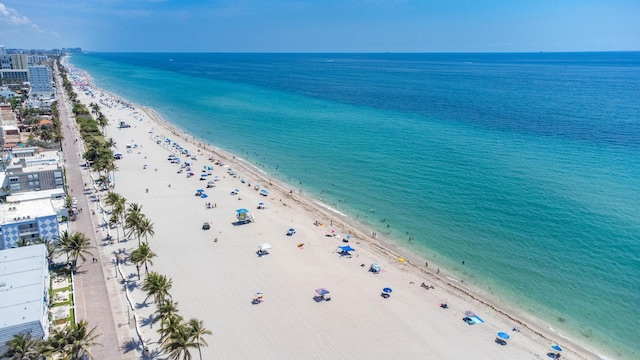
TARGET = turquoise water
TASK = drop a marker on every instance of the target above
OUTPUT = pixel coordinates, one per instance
(525, 166)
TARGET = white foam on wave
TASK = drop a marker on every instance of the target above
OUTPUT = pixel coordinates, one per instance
(330, 208)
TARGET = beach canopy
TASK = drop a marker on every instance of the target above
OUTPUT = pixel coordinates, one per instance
(200, 190)
(322, 291)
(204, 196)
(265, 246)
(503, 335)
(264, 192)
(346, 248)
(387, 290)
(242, 211)
(556, 347)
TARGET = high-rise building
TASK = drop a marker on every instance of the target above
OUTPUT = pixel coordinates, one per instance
(19, 61)
(40, 79)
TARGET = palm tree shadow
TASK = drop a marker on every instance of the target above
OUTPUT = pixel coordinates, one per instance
(147, 321)
(131, 285)
(142, 305)
(131, 345)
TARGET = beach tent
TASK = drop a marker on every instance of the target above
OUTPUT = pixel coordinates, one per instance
(264, 192)
(344, 250)
(262, 249)
(375, 268)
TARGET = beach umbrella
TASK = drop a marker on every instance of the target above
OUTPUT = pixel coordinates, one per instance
(503, 335)
(259, 295)
(200, 190)
(556, 347)
(322, 291)
(469, 313)
(387, 290)
(204, 196)
(265, 246)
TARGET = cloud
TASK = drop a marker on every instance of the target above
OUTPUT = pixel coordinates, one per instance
(11, 17)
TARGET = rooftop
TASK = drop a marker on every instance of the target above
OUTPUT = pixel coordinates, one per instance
(29, 208)
(23, 284)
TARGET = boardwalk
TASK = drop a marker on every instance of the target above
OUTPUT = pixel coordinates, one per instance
(98, 297)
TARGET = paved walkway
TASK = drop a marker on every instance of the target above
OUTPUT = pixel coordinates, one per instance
(98, 292)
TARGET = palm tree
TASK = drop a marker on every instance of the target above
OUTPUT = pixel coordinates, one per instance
(51, 247)
(198, 331)
(74, 341)
(158, 286)
(168, 325)
(103, 180)
(102, 121)
(145, 227)
(132, 220)
(178, 343)
(114, 220)
(142, 254)
(165, 309)
(24, 347)
(76, 245)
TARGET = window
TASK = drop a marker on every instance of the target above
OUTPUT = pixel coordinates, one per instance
(14, 187)
(14, 179)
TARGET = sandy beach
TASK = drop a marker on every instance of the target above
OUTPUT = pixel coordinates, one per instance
(217, 272)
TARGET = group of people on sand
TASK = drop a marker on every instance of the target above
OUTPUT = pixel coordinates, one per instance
(426, 287)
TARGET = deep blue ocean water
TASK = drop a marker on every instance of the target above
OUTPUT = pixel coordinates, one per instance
(525, 166)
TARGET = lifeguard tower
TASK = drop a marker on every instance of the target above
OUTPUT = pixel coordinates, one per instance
(244, 216)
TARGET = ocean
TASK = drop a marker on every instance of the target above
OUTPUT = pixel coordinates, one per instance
(524, 166)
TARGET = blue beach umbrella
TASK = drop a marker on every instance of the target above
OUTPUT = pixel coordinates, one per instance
(503, 335)
(387, 290)
(556, 347)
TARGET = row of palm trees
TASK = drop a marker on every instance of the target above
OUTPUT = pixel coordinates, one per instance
(133, 221)
(72, 343)
(177, 336)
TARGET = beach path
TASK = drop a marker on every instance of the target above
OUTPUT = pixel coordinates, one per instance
(96, 292)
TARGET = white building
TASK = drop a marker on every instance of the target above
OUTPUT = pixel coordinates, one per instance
(30, 216)
(24, 293)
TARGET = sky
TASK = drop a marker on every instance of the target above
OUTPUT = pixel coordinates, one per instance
(322, 25)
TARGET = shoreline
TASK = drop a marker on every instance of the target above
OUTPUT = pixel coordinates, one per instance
(382, 247)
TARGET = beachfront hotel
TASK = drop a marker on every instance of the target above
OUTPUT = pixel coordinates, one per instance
(24, 285)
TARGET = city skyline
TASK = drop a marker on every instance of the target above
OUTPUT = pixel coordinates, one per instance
(327, 26)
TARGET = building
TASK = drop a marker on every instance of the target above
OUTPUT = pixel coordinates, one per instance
(28, 170)
(40, 80)
(30, 216)
(24, 293)
(14, 76)
(19, 61)
(38, 59)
